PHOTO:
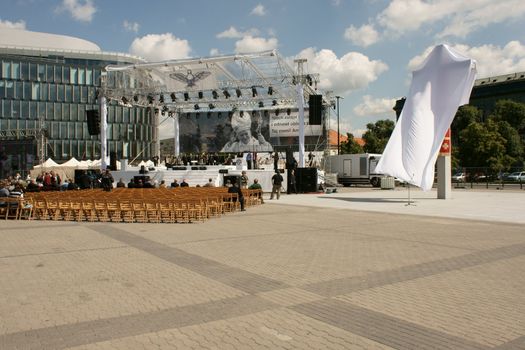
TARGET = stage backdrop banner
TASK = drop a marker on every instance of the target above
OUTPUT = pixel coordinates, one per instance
(284, 125)
(442, 84)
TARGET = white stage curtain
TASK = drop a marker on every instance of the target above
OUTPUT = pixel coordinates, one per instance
(442, 84)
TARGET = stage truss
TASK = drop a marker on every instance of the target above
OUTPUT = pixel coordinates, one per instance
(263, 80)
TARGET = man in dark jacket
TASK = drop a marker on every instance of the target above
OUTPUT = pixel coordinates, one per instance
(277, 181)
(236, 189)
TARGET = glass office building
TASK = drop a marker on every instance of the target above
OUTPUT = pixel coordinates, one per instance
(47, 82)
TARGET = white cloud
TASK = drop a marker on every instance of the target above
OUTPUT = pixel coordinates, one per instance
(371, 106)
(490, 13)
(214, 52)
(351, 72)
(491, 60)
(460, 18)
(258, 10)
(131, 26)
(159, 47)
(255, 44)
(365, 35)
(13, 25)
(80, 11)
(233, 33)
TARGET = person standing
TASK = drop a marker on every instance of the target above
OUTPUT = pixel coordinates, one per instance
(244, 179)
(292, 182)
(249, 160)
(277, 181)
(276, 161)
(236, 189)
(107, 181)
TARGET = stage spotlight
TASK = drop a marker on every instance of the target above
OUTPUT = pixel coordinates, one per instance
(241, 113)
(226, 94)
(161, 98)
(288, 111)
(274, 103)
(186, 96)
(173, 97)
(270, 90)
(211, 106)
(136, 98)
(254, 91)
(150, 99)
(208, 115)
(201, 95)
(238, 92)
(230, 114)
(261, 104)
(196, 106)
(124, 100)
(164, 109)
(215, 94)
(277, 111)
(156, 111)
(219, 115)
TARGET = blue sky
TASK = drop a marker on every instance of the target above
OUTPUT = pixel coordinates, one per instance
(364, 50)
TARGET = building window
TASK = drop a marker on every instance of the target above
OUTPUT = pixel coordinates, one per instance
(19, 89)
(74, 76)
(35, 91)
(25, 109)
(33, 72)
(76, 93)
(6, 70)
(73, 112)
(58, 111)
(50, 73)
(58, 74)
(52, 92)
(2, 89)
(68, 93)
(83, 94)
(10, 89)
(16, 70)
(16, 109)
(65, 111)
(60, 93)
(24, 73)
(41, 72)
(27, 90)
(49, 111)
(81, 76)
(33, 111)
(44, 93)
(89, 77)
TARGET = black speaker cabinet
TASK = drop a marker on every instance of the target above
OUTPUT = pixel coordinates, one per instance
(113, 161)
(306, 179)
(315, 108)
(93, 121)
(223, 171)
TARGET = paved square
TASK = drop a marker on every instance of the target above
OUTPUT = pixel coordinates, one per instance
(293, 274)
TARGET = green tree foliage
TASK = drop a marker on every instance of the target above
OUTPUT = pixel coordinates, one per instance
(511, 112)
(465, 115)
(482, 146)
(351, 146)
(377, 135)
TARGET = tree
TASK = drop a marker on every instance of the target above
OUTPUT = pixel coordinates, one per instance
(464, 117)
(350, 146)
(512, 112)
(377, 135)
(513, 145)
(482, 146)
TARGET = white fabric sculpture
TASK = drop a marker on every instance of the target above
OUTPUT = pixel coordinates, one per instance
(442, 84)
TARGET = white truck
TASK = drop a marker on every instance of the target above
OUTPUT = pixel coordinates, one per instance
(355, 169)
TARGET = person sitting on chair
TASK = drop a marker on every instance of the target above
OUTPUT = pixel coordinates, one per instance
(236, 189)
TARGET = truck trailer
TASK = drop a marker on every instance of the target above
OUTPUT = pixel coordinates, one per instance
(355, 169)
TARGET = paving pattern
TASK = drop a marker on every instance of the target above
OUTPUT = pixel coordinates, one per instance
(274, 277)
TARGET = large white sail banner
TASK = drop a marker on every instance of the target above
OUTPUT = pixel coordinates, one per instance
(442, 84)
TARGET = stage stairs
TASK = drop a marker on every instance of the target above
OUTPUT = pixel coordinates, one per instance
(193, 177)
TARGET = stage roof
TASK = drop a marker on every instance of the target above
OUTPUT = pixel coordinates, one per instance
(243, 81)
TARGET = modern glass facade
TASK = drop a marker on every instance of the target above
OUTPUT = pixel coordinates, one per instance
(55, 91)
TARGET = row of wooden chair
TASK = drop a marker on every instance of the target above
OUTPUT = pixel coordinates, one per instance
(133, 205)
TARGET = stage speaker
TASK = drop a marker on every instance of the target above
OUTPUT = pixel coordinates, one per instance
(233, 179)
(306, 179)
(93, 121)
(315, 109)
(223, 171)
(289, 159)
(113, 161)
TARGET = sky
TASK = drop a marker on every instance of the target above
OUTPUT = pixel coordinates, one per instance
(363, 50)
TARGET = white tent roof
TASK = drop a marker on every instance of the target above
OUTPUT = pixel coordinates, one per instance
(73, 162)
(49, 163)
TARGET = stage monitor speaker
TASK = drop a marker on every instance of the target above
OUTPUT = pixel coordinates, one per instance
(233, 179)
(306, 179)
(93, 121)
(113, 161)
(315, 108)
(223, 171)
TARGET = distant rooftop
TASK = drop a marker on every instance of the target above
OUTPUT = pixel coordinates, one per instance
(25, 42)
(500, 79)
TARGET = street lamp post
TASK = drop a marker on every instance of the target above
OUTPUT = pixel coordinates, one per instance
(338, 143)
